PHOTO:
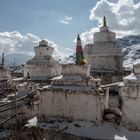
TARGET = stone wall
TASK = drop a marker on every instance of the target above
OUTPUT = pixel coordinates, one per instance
(42, 71)
(106, 62)
(72, 69)
(131, 107)
(130, 93)
(108, 77)
(76, 105)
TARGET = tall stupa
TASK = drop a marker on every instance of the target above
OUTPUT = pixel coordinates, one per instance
(105, 54)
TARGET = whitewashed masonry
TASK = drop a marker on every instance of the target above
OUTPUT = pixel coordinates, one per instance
(42, 66)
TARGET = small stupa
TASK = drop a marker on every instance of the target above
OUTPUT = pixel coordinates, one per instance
(42, 66)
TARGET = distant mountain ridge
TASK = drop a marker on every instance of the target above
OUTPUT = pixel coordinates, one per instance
(129, 40)
(131, 55)
(15, 59)
(130, 48)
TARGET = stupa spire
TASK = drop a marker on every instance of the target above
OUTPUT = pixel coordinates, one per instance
(78, 37)
(104, 27)
(80, 60)
(2, 58)
(104, 22)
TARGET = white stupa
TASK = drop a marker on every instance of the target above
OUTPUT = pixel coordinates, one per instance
(42, 66)
(105, 54)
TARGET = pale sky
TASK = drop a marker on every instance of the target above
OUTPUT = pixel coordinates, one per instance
(61, 20)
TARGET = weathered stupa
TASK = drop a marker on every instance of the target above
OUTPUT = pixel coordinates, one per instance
(75, 94)
(105, 55)
(42, 66)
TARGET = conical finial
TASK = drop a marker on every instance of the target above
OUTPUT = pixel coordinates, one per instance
(104, 22)
(80, 60)
(78, 37)
(2, 58)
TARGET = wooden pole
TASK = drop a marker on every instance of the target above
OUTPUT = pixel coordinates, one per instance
(16, 108)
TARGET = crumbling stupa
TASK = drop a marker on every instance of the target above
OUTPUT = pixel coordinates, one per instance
(105, 55)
